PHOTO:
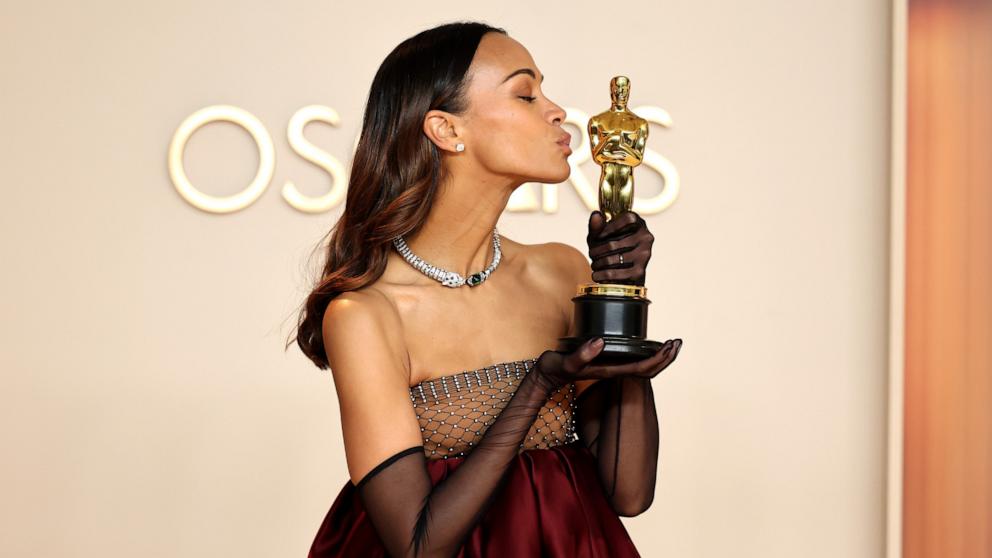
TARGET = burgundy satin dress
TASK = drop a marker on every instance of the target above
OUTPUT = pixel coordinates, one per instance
(552, 504)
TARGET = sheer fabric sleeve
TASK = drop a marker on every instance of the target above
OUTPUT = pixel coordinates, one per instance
(617, 420)
(414, 518)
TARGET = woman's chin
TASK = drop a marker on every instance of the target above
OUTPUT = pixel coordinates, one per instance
(553, 174)
(560, 176)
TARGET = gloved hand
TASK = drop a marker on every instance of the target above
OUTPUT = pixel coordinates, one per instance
(626, 234)
(554, 369)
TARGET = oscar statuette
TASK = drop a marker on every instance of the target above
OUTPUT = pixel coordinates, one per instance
(617, 312)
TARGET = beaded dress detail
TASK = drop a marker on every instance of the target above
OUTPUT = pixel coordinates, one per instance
(454, 411)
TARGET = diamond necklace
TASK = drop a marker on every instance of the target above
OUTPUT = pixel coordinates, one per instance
(448, 278)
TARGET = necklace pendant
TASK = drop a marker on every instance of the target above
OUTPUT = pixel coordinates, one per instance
(474, 279)
(452, 279)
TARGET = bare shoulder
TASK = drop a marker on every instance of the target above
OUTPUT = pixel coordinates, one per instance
(563, 261)
(365, 318)
(553, 268)
(368, 361)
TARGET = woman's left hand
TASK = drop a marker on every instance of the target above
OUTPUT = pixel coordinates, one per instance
(625, 234)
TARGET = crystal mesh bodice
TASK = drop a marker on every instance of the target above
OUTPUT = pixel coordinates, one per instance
(455, 411)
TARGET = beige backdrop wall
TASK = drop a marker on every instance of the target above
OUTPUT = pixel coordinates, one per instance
(147, 406)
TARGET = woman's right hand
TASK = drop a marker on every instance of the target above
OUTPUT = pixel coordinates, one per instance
(555, 369)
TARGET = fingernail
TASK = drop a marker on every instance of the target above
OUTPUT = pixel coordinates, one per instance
(598, 342)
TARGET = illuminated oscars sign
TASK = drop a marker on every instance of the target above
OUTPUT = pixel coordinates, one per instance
(523, 199)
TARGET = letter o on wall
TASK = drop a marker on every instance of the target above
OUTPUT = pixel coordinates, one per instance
(266, 159)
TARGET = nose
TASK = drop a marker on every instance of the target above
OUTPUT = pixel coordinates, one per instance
(557, 114)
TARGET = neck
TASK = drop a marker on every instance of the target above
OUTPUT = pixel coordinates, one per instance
(458, 233)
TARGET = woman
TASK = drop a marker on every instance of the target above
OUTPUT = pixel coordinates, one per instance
(461, 427)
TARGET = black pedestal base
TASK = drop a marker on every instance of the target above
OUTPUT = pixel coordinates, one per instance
(622, 322)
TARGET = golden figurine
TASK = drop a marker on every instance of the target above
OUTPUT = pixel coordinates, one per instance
(616, 312)
(617, 138)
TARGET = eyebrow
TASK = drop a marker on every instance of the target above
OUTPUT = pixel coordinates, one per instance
(527, 71)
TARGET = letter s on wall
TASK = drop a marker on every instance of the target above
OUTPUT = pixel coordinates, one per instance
(317, 156)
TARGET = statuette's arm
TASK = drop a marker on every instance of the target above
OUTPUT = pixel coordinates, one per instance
(620, 152)
(594, 140)
(642, 140)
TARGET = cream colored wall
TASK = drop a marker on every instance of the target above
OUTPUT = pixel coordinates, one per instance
(147, 407)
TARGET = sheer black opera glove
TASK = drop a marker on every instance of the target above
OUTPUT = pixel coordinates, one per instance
(414, 518)
(626, 234)
(616, 419)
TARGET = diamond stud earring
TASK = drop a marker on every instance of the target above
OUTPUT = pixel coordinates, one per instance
(460, 147)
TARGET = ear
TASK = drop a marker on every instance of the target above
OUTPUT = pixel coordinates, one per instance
(439, 126)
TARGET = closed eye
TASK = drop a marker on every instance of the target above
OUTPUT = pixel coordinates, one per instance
(528, 99)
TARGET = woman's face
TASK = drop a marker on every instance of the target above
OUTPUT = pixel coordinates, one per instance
(509, 127)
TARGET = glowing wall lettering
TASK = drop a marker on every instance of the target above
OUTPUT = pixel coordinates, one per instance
(266, 159)
(324, 160)
(523, 198)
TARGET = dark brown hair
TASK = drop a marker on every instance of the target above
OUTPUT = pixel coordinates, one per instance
(396, 169)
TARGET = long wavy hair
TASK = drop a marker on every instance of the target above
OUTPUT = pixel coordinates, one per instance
(396, 168)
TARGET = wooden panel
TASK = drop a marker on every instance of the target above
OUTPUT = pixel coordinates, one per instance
(947, 503)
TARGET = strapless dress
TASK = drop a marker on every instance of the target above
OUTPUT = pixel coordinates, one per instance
(552, 504)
